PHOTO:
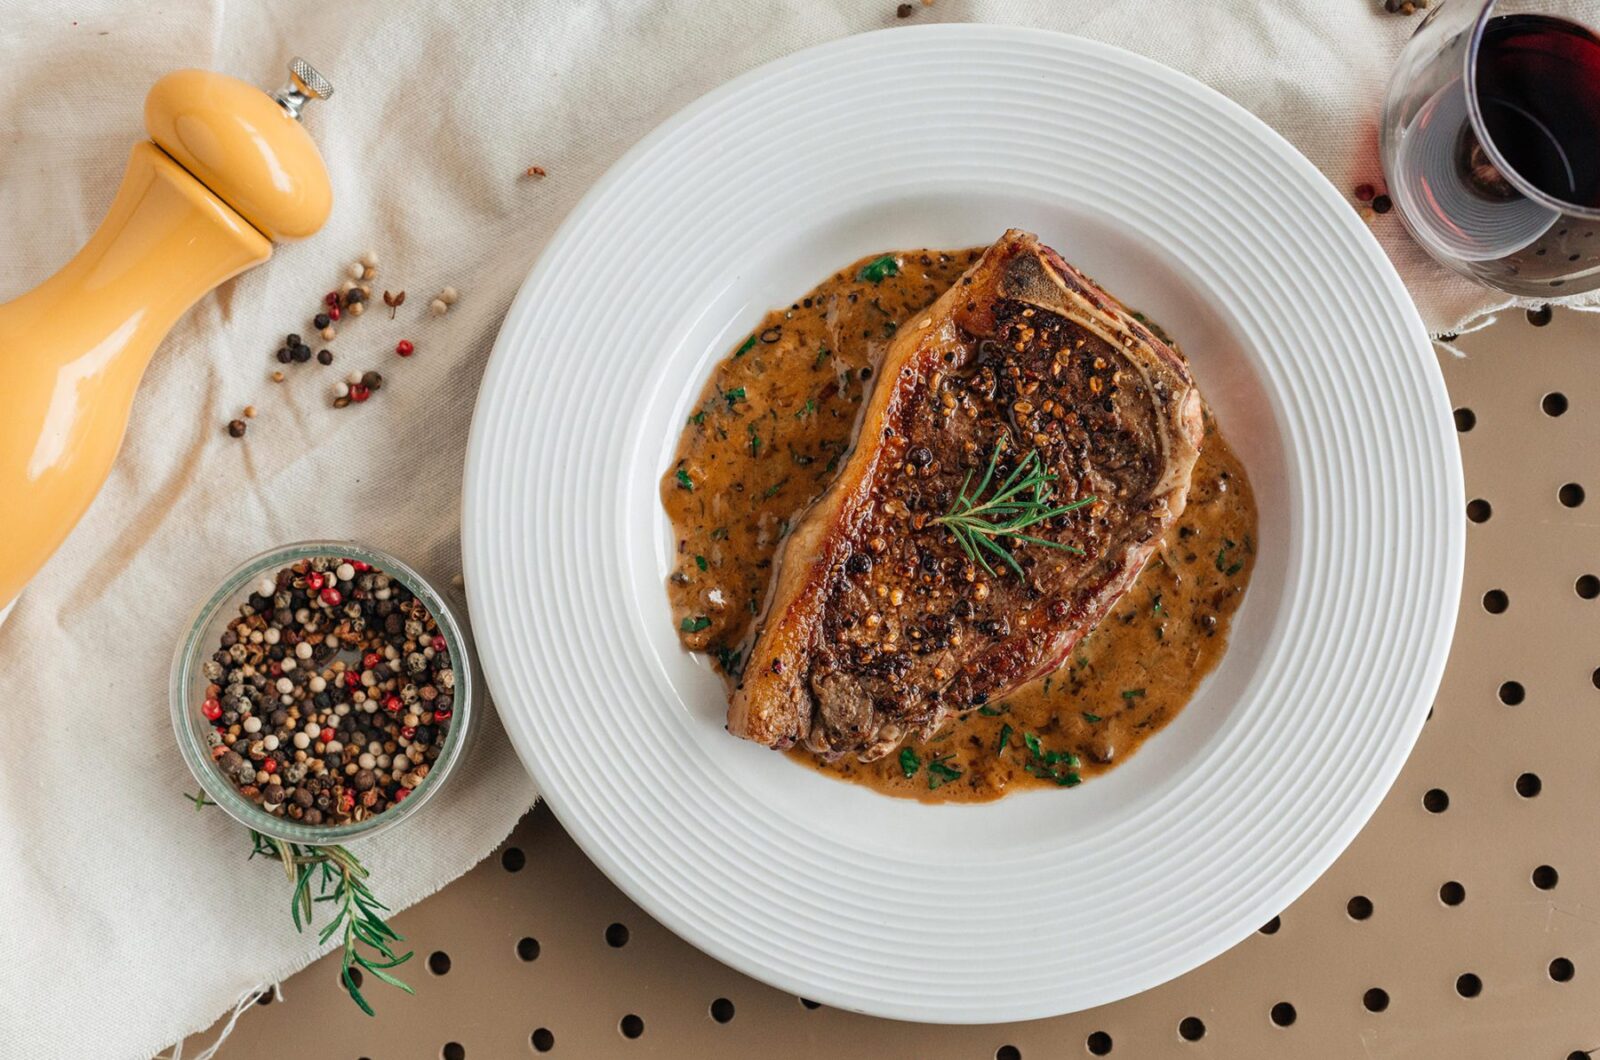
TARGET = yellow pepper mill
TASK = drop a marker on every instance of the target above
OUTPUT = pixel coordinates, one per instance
(228, 171)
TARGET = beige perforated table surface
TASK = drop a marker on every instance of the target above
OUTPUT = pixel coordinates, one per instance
(1464, 922)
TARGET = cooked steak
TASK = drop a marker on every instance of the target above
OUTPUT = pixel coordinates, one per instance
(1027, 444)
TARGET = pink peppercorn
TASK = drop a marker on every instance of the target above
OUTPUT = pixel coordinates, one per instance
(269, 766)
(438, 644)
(371, 659)
(331, 596)
(333, 312)
(327, 734)
(331, 299)
(314, 581)
(359, 393)
(404, 348)
(391, 703)
(211, 709)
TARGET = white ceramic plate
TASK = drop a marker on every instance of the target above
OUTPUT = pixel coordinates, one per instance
(1305, 343)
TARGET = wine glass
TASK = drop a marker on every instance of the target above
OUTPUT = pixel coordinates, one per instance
(1490, 140)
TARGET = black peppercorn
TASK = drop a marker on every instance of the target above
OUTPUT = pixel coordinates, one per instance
(858, 563)
(236, 428)
(284, 355)
(903, 11)
(324, 356)
(321, 321)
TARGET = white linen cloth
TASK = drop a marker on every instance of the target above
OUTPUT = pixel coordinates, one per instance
(128, 919)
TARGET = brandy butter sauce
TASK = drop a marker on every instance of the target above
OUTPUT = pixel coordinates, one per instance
(773, 426)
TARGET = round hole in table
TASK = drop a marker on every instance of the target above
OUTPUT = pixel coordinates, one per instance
(1570, 495)
(1466, 419)
(542, 1040)
(722, 1010)
(1554, 403)
(1529, 785)
(1562, 970)
(1479, 510)
(617, 936)
(528, 949)
(1191, 1028)
(1512, 693)
(631, 1026)
(1587, 587)
(1452, 893)
(1375, 999)
(453, 1051)
(439, 962)
(1008, 1052)
(1468, 985)
(1436, 800)
(1495, 601)
(1099, 1044)
(1359, 907)
(1271, 927)
(1283, 1014)
(512, 859)
(1545, 877)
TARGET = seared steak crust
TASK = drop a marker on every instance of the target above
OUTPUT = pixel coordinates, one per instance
(879, 625)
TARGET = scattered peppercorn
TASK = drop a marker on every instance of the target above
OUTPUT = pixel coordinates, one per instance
(249, 412)
(236, 428)
(277, 377)
(320, 320)
(404, 348)
(535, 171)
(295, 723)
(903, 11)
(1365, 192)
(324, 356)
(1382, 204)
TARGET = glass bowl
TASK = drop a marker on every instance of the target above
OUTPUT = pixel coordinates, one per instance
(188, 683)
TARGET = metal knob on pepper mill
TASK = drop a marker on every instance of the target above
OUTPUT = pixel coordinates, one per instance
(228, 171)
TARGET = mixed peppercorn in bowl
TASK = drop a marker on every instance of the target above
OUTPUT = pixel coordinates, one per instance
(323, 692)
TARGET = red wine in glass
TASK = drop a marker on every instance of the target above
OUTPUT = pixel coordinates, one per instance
(1538, 89)
(1491, 142)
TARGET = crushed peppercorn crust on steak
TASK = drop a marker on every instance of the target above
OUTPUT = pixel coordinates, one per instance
(880, 625)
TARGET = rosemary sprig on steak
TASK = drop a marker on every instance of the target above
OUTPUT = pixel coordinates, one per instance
(1018, 503)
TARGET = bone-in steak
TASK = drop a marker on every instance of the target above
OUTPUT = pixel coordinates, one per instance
(885, 619)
